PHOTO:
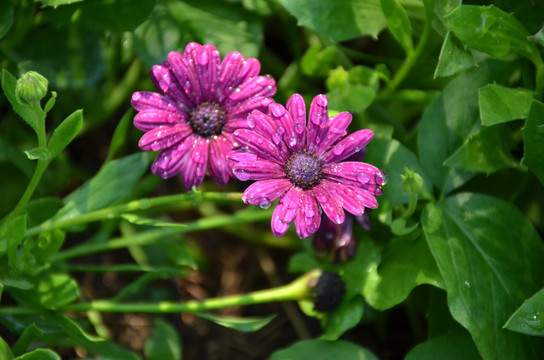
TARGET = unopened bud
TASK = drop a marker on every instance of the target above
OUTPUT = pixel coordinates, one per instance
(328, 291)
(411, 182)
(31, 87)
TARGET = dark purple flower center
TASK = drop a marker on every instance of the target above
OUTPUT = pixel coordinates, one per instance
(304, 170)
(207, 119)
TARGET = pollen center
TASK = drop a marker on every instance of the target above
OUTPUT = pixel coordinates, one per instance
(304, 170)
(207, 119)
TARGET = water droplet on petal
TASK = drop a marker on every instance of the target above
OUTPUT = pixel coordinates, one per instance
(200, 170)
(322, 199)
(378, 191)
(363, 178)
(322, 100)
(260, 140)
(280, 130)
(277, 110)
(381, 178)
(338, 149)
(292, 142)
(309, 213)
(264, 203)
(203, 58)
(276, 138)
(251, 123)
(299, 128)
(242, 175)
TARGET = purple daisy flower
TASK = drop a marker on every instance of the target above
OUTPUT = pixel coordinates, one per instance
(201, 101)
(302, 165)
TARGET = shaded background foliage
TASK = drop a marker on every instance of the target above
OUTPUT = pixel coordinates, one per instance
(453, 91)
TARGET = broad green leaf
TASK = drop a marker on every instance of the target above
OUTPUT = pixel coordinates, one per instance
(42, 209)
(113, 182)
(391, 156)
(65, 133)
(529, 317)
(339, 20)
(5, 351)
(352, 90)
(499, 104)
(31, 115)
(486, 151)
(491, 259)
(361, 272)
(39, 354)
(12, 233)
(6, 17)
(114, 15)
(398, 23)
(38, 153)
(453, 57)
(120, 135)
(405, 264)
(164, 343)
(491, 30)
(243, 324)
(449, 120)
(444, 7)
(171, 27)
(318, 61)
(323, 350)
(56, 290)
(138, 220)
(450, 346)
(55, 3)
(533, 137)
(346, 316)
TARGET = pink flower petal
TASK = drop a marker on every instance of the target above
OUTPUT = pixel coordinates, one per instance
(207, 60)
(329, 204)
(235, 70)
(348, 146)
(336, 129)
(297, 109)
(255, 86)
(150, 119)
(318, 120)
(308, 218)
(219, 169)
(184, 70)
(164, 136)
(145, 100)
(285, 126)
(170, 161)
(353, 173)
(163, 79)
(244, 108)
(285, 211)
(194, 166)
(262, 193)
(257, 170)
(259, 145)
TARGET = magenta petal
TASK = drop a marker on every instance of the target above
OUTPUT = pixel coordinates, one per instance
(244, 108)
(337, 128)
(318, 120)
(257, 170)
(264, 125)
(348, 146)
(297, 109)
(262, 193)
(219, 169)
(164, 137)
(259, 145)
(353, 173)
(150, 119)
(308, 218)
(235, 70)
(185, 73)
(285, 211)
(145, 100)
(165, 81)
(285, 126)
(194, 167)
(207, 60)
(255, 86)
(329, 204)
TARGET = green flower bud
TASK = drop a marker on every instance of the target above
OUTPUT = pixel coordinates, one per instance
(411, 182)
(31, 87)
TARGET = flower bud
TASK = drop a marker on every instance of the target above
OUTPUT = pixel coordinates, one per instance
(411, 182)
(31, 87)
(328, 292)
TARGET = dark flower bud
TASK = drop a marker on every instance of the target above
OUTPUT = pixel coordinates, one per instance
(328, 291)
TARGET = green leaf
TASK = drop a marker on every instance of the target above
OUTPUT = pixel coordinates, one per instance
(533, 137)
(246, 324)
(346, 316)
(51, 102)
(391, 156)
(361, 273)
(5, 351)
(56, 290)
(223, 24)
(352, 90)
(451, 346)
(529, 317)
(6, 17)
(113, 182)
(323, 350)
(65, 133)
(491, 259)
(453, 57)
(55, 3)
(39, 354)
(449, 120)
(32, 115)
(398, 23)
(115, 15)
(120, 135)
(489, 29)
(42, 209)
(317, 61)
(405, 264)
(339, 20)
(164, 343)
(499, 104)
(486, 151)
(38, 153)
(12, 233)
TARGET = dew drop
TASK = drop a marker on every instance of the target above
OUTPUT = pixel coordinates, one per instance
(251, 123)
(299, 128)
(338, 149)
(381, 178)
(200, 170)
(322, 199)
(363, 178)
(264, 203)
(280, 130)
(322, 100)
(292, 141)
(203, 58)
(260, 140)
(242, 175)
(276, 138)
(378, 191)
(277, 110)
(309, 213)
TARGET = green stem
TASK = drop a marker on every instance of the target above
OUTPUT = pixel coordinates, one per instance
(413, 56)
(136, 205)
(296, 290)
(148, 237)
(539, 81)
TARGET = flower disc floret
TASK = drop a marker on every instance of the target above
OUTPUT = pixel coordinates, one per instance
(302, 163)
(201, 100)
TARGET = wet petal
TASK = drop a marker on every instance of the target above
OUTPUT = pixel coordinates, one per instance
(207, 60)
(259, 145)
(336, 129)
(183, 68)
(262, 193)
(348, 146)
(194, 166)
(164, 80)
(285, 126)
(285, 211)
(255, 86)
(170, 161)
(233, 71)
(329, 204)
(308, 218)
(244, 108)
(297, 109)
(150, 119)
(219, 169)
(318, 121)
(146, 100)
(164, 136)
(353, 173)
(257, 170)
